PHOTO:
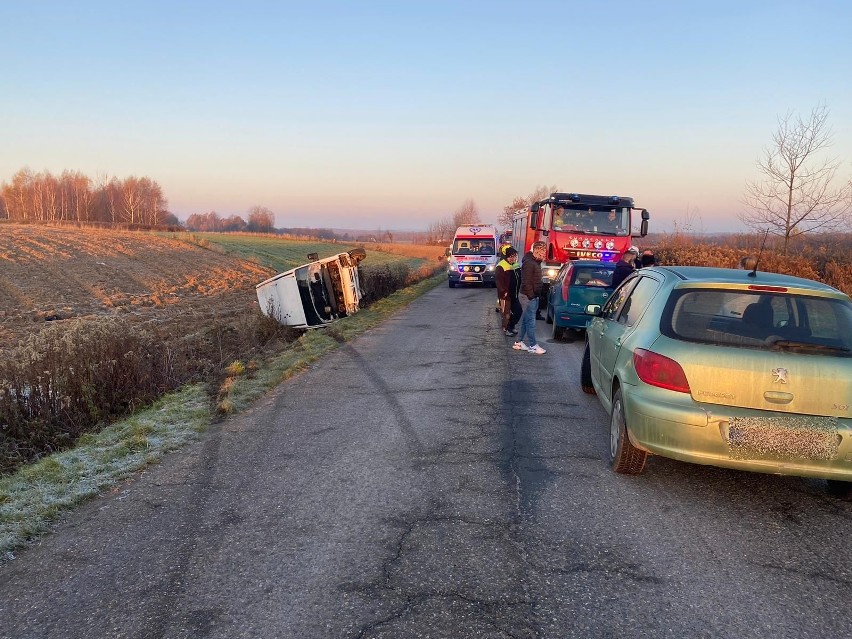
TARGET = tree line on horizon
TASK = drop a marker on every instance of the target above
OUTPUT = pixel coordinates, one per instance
(74, 197)
(796, 195)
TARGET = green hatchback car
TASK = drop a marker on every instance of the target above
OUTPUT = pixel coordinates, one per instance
(578, 284)
(731, 368)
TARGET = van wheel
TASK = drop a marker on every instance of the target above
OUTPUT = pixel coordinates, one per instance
(624, 456)
(547, 316)
(451, 283)
(357, 254)
(586, 373)
(842, 489)
(558, 331)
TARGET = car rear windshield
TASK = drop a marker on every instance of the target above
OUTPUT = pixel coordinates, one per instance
(750, 319)
(592, 276)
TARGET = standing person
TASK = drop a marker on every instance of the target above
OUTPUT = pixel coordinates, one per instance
(625, 266)
(647, 258)
(501, 255)
(530, 290)
(508, 286)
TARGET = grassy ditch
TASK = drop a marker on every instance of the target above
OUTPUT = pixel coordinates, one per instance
(38, 493)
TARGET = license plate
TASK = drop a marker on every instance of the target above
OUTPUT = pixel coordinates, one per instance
(784, 437)
(471, 278)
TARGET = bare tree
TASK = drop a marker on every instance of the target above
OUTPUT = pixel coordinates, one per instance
(467, 213)
(541, 192)
(261, 220)
(796, 195)
(508, 212)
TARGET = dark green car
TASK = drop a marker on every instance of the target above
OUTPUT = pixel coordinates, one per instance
(578, 284)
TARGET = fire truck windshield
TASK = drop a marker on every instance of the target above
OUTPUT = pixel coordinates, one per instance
(596, 220)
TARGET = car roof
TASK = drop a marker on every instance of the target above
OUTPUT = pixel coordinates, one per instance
(593, 263)
(714, 275)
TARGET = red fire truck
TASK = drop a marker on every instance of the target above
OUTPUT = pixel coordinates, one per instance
(576, 226)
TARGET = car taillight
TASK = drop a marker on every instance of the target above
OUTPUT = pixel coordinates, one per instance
(660, 371)
(565, 283)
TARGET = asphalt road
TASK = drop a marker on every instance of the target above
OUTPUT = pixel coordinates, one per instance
(425, 480)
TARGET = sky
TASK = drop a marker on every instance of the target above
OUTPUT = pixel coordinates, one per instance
(390, 115)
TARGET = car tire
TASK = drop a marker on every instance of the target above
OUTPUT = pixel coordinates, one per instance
(625, 458)
(547, 315)
(586, 372)
(841, 489)
(451, 283)
(558, 331)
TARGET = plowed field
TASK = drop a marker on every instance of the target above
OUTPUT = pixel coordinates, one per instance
(55, 274)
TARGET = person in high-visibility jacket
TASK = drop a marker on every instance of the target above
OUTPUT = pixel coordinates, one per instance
(508, 278)
(501, 253)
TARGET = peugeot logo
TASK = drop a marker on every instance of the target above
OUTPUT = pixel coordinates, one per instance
(780, 375)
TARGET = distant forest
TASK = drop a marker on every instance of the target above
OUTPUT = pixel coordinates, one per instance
(139, 202)
(74, 197)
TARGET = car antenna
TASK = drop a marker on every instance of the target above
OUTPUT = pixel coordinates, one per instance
(759, 253)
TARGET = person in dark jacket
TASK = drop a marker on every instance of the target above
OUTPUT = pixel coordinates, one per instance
(625, 266)
(530, 290)
(501, 255)
(647, 258)
(508, 275)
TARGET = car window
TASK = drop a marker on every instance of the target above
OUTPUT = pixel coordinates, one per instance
(592, 276)
(637, 301)
(563, 273)
(616, 301)
(760, 320)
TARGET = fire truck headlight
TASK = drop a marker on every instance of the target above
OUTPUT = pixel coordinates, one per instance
(491, 267)
(551, 272)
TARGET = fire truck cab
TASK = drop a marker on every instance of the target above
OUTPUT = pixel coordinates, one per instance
(578, 227)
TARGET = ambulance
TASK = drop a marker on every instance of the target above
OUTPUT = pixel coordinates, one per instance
(472, 257)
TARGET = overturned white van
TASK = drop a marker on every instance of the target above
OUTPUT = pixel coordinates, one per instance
(314, 294)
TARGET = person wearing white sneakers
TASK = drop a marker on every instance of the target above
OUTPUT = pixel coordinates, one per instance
(530, 290)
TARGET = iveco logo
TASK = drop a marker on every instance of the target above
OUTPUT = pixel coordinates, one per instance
(780, 375)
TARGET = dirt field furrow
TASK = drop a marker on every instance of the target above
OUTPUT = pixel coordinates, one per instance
(55, 274)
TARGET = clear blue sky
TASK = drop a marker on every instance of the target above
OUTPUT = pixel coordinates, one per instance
(391, 114)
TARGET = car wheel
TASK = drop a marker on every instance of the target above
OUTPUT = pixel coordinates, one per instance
(452, 283)
(586, 372)
(547, 315)
(842, 489)
(624, 456)
(558, 331)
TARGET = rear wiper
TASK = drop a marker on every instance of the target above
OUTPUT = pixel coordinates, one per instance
(780, 342)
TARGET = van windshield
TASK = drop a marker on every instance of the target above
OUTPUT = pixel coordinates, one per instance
(474, 246)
